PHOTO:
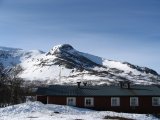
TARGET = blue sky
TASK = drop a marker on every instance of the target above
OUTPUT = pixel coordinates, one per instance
(125, 30)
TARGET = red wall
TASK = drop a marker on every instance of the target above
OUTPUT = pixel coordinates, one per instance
(42, 99)
(57, 100)
(104, 103)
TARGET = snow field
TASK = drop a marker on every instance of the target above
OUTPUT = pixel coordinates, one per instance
(39, 111)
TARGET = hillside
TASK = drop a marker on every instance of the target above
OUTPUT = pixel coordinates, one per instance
(65, 65)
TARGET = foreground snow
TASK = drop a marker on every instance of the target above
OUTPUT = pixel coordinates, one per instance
(39, 111)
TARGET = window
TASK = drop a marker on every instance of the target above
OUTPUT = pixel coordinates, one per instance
(134, 101)
(71, 101)
(115, 101)
(89, 102)
(155, 101)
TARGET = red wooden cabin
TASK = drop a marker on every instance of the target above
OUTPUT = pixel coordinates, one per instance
(123, 98)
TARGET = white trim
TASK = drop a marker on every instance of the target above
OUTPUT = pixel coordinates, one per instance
(47, 99)
(91, 101)
(73, 101)
(134, 101)
(115, 101)
(158, 101)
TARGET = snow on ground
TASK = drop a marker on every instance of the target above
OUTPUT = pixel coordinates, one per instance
(39, 111)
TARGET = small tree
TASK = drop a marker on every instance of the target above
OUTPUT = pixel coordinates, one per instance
(16, 86)
(11, 87)
(4, 88)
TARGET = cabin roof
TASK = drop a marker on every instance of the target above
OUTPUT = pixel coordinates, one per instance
(64, 90)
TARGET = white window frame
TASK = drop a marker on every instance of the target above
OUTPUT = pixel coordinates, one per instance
(113, 99)
(74, 101)
(158, 101)
(91, 100)
(134, 101)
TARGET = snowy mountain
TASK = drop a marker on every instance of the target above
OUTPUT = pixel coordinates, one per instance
(65, 65)
(10, 57)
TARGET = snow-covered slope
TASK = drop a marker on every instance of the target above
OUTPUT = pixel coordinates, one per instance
(39, 111)
(63, 64)
(10, 57)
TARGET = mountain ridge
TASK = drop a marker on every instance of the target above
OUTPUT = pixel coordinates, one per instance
(65, 65)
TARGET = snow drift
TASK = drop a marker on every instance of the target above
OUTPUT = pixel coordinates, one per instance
(39, 111)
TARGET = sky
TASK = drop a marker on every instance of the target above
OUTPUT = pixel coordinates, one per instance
(122, 30)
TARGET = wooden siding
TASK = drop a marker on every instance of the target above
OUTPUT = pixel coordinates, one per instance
(104, 103)
(57, 100)
(42, 99)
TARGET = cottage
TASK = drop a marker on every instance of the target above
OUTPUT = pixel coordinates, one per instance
(123, 98)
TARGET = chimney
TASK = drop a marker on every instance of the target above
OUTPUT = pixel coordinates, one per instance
(129, 85)
(85, 83)
(121, 84)
(125, 84)
(78, 84)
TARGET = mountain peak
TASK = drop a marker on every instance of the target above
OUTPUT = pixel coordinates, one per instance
(60, 48)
